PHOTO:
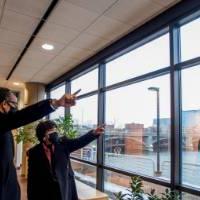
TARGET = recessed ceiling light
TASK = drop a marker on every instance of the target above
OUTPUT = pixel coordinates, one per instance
(16, 83)
(48, 46)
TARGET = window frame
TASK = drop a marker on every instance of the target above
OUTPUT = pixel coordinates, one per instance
(174, 70)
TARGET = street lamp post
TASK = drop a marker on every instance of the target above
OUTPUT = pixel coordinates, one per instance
(156, 89)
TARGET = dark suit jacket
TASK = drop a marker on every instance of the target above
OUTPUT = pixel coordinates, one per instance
(40, 174)
(9, 187)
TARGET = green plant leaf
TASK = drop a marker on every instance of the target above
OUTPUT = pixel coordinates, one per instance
(66, 127)
(137, 193)
(26, 134)
(119, 196)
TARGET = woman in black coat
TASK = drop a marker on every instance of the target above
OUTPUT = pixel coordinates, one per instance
(50, 175)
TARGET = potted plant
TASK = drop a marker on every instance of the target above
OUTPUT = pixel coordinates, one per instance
(66, 127)
(26, 134)
(137, 193)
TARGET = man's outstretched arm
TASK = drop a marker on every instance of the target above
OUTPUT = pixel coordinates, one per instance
(34, 112)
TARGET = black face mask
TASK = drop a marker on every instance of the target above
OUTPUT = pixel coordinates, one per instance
(13, 110)
(53, 137)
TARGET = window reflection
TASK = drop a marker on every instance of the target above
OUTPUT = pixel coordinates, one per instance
(56, 94)
(85, 119)
(139, 61)
(191, 127)
(84, 173)
(131, 139)
(87, 83)
(115, 182)
(186, 196)
(190, 40)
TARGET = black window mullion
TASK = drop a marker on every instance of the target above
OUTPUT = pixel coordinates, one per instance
(67, 90)
(175, 81)
(101, 120)
(48, 97)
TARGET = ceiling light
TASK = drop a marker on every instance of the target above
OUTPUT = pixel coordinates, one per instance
(48, 46)
(16, 83)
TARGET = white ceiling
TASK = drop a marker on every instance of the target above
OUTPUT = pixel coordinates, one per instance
(77, 28)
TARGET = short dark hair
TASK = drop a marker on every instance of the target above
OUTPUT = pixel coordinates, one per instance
(44, 126)
(4, 94)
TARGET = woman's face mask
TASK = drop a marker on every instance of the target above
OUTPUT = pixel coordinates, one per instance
(53, 137)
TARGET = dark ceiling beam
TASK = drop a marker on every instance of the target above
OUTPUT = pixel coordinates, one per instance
(174, 13)
(35, 32)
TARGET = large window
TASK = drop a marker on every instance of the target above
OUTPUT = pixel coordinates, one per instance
(115, 182)
(186, 196)
(190, 40)
(56, 94)
(87, 83)
(147, 58)
(133, 140)
(84, 173)
(85, 119)
(191, 126)
(150, 105)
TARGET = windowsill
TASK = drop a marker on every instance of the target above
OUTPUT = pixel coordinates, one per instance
(86, 192)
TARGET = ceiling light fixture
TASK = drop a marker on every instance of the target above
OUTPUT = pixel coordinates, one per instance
(16, 83)
(48, 47)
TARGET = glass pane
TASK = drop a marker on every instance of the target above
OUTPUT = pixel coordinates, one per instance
(84, 173)
(186, 196)
(134, 140)
(191, 127)
(85, 118)
(115, 182)
(190, 40)
(86, 83)
(56, 94)
(139, 61)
